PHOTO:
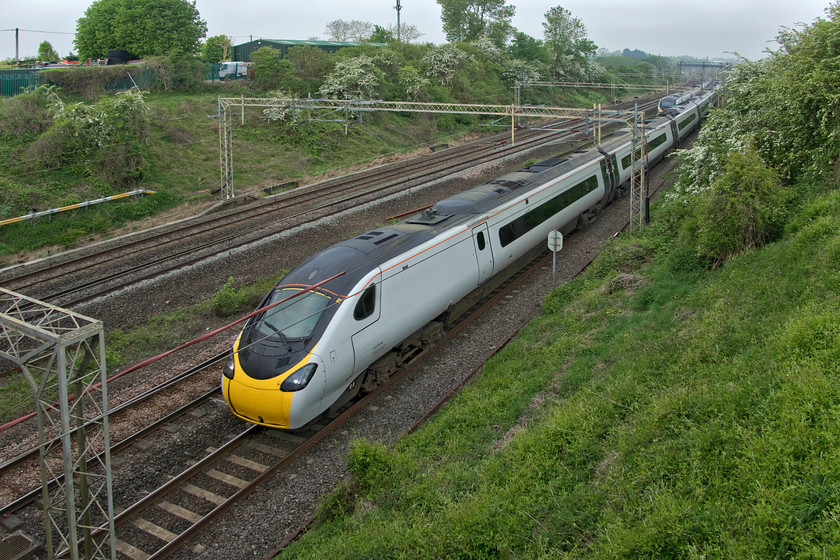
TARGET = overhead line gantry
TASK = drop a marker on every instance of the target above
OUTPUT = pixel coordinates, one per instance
(360, 106)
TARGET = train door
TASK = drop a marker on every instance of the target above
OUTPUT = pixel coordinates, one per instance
(483, 252)
(368, 340)
(610, 178)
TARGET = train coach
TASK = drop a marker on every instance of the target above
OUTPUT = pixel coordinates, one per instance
(346, 318)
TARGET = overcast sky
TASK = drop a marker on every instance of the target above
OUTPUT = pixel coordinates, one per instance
(664, 27)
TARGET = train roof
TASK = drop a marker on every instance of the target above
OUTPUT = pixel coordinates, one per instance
(357, 256)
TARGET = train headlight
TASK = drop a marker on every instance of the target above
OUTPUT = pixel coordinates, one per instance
(230, 368)
(299, 379)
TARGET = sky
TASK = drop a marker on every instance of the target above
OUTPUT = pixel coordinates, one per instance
(710, 29)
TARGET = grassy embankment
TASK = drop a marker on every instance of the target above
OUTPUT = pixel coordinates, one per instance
(692, 416)
(182, 155)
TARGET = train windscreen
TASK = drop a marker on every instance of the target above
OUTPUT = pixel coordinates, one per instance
(294, 319)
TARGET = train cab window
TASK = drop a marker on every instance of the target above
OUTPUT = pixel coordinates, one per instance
(479, 239)
(366, 304)
(296, 318)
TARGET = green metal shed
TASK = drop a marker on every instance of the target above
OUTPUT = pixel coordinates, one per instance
(243, 52)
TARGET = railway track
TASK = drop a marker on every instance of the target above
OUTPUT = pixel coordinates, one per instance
(16, 471)
(140, 257)
(168, 518)
(77, 277)
(244, 456)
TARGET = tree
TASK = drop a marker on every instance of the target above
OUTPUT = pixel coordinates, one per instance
(408, 33)
(216, 48)
(271, 71)
(527, 48)
(382, 35)
(354, 30)
(142, 27)
(565, 37)
(46, 53)
(635, 53)
(311, 63)
(467, 20)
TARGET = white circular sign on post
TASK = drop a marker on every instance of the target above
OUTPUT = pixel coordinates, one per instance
(555, 240)
(555, 243)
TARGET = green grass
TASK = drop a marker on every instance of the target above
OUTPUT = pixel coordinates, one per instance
(693, 417)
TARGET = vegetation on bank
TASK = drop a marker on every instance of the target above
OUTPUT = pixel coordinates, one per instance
(680, 399)
(687, 413)
(74, 140)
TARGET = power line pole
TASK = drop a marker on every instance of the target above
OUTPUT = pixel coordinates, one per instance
(398, 8)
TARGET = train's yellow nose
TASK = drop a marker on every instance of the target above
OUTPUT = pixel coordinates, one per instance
(258, 401)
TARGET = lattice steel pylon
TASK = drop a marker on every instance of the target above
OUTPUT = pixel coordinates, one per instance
(62, 356)
(638, 183)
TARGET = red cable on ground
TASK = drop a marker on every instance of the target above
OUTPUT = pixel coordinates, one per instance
(201, 338)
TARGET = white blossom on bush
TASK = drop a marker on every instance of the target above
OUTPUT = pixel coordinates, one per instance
(520, 70)
(281, 110)
(352, 79)
(581, 69)
(442, 62)
(96, 124)
(488, 49)
(412, 83)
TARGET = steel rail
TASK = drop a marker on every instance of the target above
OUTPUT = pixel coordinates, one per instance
(394, 179)
(237, 241)
(124, 443)
(420, 164)
(106, 254)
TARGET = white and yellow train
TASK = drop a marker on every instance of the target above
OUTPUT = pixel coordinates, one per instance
(389, 290)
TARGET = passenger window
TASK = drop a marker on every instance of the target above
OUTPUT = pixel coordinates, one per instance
(480, 240)
(366, 304)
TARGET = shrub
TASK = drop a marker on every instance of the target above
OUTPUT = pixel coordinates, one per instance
(26, 116)
(228, 300)
(744, 209)
(412, 83)
(224, 301)
(88, 82)
(271, 71)
(106, 141)
(443, 62)
(352, 79)
(370, 463)
(181, 72)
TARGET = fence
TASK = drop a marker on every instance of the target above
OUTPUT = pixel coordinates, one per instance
(15, 82)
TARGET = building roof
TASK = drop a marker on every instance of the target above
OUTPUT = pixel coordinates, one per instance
(299, 42)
